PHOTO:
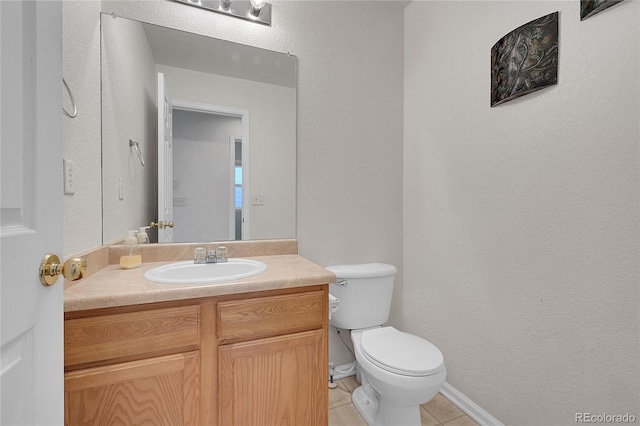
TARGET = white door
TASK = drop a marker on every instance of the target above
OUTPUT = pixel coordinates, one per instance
(31, 359)
(165, 163)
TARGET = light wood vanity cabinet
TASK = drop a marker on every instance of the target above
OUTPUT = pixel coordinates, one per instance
(132, 366)
(247, 359)
(273, 360)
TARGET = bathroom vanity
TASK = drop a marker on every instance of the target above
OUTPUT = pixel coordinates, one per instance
(247, 352)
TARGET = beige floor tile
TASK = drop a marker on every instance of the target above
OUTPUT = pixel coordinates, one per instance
(442, 409)
(350, 383)
(345, 415)
(340, 395)
(427, 419)
(462, 421)
(436, 412)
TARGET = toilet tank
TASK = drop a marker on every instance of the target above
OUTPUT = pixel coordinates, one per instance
(365, 300)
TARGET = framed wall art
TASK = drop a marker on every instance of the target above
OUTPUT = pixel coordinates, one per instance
(525, 60)
(591, 7)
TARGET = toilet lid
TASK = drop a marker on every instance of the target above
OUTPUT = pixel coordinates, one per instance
(401, 353)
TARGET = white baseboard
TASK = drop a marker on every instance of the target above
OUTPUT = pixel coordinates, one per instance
(468, 406)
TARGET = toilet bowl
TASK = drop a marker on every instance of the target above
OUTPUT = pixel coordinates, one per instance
(398, 371)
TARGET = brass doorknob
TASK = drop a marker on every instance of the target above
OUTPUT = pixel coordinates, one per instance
(161, 224)
(50, 268)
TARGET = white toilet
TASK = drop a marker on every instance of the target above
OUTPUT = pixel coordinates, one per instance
(398, 371)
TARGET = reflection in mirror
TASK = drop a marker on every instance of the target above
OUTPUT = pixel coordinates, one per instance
(219, 147)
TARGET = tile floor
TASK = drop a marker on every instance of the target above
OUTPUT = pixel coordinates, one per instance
(437, 412)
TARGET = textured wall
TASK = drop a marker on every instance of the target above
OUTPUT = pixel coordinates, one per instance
(521, 221)
(349, 159)
(81, 135)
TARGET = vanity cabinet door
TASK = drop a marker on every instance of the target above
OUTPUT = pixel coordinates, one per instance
(155, 391)
(274, 381)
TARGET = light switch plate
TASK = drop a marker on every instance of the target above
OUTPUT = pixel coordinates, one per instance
(69, 176)
(120, 188)
(257, 200)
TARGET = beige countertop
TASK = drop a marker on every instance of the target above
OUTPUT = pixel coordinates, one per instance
(112, 286)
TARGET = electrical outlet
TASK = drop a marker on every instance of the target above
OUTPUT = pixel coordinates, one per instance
(69, 178)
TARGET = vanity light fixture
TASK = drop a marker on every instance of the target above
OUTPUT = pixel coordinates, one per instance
(250, 10)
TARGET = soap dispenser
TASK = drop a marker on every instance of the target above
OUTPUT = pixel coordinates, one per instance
(142, 236)
(130, 255)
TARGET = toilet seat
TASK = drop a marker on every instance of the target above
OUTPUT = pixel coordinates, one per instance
(401, 353)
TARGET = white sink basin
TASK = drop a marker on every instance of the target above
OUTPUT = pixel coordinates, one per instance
(188, 272)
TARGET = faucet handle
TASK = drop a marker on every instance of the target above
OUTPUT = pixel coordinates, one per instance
(221, 254)
(200, 255)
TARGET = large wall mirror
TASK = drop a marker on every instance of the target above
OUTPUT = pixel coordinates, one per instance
(196, 131)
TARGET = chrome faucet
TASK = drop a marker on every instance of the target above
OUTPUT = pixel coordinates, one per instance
(218, 255)
(211, 257)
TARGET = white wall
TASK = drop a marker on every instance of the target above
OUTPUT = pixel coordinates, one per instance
(81, 135)
(521, 221)
(202, 171)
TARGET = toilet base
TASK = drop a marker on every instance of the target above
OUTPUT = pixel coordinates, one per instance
(367, 407)
(385, 413)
